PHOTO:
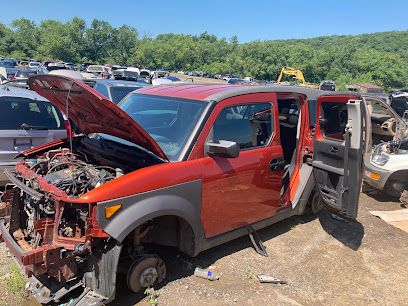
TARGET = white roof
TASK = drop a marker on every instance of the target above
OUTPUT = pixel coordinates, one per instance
(11, 91)
(133, 69)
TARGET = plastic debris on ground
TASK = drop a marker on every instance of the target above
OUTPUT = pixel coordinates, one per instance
(207, 274)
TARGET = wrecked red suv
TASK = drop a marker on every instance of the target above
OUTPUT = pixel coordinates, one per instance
(186, 166)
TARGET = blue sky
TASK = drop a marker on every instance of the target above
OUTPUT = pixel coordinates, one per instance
(248, 19)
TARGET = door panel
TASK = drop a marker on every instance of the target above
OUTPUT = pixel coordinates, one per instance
(239, 191)
(242, 190)
(338, 161)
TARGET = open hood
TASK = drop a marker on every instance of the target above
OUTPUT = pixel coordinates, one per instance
(91, 112)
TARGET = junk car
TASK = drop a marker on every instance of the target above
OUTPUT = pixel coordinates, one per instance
(183, 166)
(386, 166)
(116, 90)
(27, 120)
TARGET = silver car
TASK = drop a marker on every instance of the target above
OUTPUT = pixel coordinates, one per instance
(27, 120)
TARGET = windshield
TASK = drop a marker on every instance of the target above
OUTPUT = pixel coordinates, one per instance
(95, 69)
(24, 74)
(119, 92)
(169, 121)
(6, 64)
(400, 105)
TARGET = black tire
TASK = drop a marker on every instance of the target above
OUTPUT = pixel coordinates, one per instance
(314, 205)
(394, 188)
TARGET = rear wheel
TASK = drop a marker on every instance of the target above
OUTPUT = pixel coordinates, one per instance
(314, 205)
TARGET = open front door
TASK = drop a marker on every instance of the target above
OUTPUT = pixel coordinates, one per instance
(338, 152)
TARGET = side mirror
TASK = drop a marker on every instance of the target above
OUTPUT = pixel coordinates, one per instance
(405, 115)
(223, 148)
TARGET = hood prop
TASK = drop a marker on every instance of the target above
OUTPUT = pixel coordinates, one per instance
(67, 114)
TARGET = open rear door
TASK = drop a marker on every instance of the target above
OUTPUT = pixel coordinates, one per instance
(338, 152)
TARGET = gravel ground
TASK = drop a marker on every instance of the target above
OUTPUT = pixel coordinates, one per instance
(324, 261)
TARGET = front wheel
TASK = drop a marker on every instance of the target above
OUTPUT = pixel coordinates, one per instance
(145, 272)
(394, 188)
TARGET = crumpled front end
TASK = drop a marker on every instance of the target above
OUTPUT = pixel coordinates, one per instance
(55, 238)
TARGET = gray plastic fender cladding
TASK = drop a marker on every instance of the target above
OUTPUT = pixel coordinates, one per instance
(181, 200)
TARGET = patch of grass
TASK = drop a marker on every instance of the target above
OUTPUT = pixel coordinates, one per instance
(15, 281)
(248, 273)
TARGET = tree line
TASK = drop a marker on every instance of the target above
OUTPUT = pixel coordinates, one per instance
(379, 58)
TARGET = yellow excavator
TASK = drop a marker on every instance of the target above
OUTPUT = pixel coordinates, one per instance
(297, 75)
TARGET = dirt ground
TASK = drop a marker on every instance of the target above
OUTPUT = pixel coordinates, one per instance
(324, 261)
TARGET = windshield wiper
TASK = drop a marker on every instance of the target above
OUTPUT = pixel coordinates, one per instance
(26, 126)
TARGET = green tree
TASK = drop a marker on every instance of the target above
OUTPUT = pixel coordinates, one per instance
(379, 58)
(26, 36)
(123, 45)
(7, 40)
(100, 40)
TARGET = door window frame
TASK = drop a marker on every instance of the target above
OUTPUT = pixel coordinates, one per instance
(198, 150)
(320, 133)
(246, 104)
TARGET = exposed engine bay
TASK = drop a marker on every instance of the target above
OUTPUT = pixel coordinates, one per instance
(393, 147)
(71, 172)
(49, 228)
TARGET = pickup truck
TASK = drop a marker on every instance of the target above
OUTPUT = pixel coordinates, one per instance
(183, 166)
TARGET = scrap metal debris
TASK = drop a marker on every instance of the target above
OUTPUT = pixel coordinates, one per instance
(19, 237)
(264, 278)
(404, 199)
(256, 242)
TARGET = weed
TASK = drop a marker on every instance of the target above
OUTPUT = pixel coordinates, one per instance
(248, 273)
(15, 281)
(152, 295)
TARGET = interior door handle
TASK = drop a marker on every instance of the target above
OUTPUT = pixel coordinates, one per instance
(277, 164)
(334, 149)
